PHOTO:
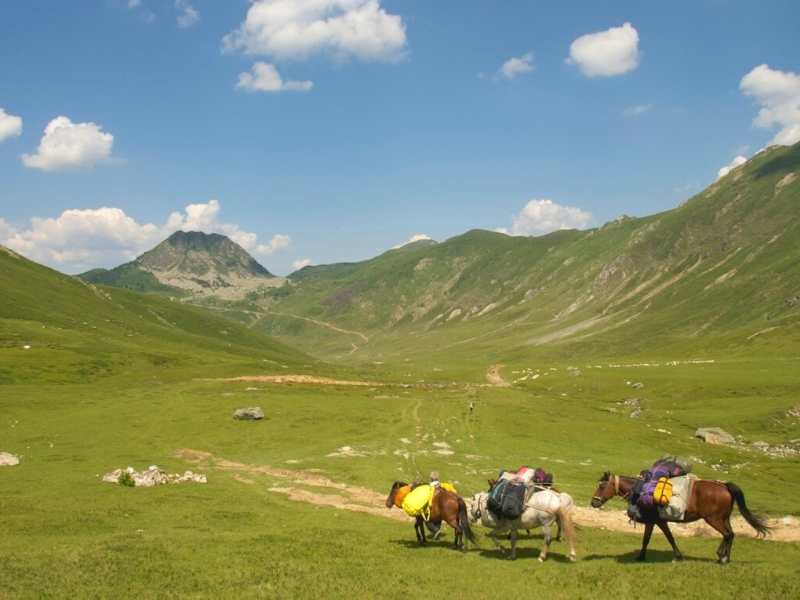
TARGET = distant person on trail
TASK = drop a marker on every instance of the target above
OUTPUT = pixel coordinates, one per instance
(471, 406)
(434, 478)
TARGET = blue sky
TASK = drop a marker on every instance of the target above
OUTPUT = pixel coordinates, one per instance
(409, 126)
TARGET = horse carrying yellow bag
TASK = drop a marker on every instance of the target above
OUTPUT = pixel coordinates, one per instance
(417, 502)
(663, 492)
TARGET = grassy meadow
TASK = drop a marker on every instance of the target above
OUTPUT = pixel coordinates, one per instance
(65, 534)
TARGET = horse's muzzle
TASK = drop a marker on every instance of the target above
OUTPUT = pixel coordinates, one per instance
(597, 502)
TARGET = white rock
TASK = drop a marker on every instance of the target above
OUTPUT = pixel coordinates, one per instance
(8, 460)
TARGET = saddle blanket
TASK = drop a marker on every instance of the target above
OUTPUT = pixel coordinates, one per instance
(678, 503)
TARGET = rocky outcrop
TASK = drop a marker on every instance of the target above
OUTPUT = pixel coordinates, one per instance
(8, 460)
(714, 435)
(151, 477)
(253, 413)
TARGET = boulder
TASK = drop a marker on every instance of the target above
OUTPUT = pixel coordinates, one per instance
(152, 476)
(714, 435)
(8, 460)
(253, 413)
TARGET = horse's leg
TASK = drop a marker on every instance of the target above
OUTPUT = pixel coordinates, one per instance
(558, 530)
(724, 527)
(419, 527)
(664, 527)
(452, 520)
(494, 536)
(648, 531)
(513, 544)
(547, 539)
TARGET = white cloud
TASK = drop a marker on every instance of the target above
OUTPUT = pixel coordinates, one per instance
(79, 239)
(606, 53)
(778, 94)
(10, 125)
(517, 66)
(300, 263)
(68, 145)
(134, 4)
(636, 110)
(418, 237)
(540, 216)
(264, 77)
(187, 14)
(299, 29)
(739, 160)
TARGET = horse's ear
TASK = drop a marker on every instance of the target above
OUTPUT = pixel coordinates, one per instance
(606, 476)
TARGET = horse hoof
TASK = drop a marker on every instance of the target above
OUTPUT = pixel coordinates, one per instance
(572, 558)
(640, 558)
(540, 559)
(677, 559)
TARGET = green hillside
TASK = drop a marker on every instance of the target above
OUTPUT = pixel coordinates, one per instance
(57, 328)
(719, 272)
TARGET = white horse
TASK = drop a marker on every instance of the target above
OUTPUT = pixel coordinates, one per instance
(542, 509)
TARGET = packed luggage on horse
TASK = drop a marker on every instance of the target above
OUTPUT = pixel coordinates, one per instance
(524, 499)
(508, 493)
(430, 504)
(664, 487)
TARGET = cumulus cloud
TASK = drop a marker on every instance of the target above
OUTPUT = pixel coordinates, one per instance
(778, 94)
(300, 263)
(300, 29)
(517, 66)
(540, 216)
(636, 110)
(417, 237)
(68, 145)
(739, 160)
(264, 77)
(10, 125)
(606, 53)
(187, 14)
(79, 239)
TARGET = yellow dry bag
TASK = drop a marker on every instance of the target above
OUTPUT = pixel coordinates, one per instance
(663, 492)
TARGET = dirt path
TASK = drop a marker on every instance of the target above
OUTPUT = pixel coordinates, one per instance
(295, 485)
(307, 379)
(324, 324)
(494, 377)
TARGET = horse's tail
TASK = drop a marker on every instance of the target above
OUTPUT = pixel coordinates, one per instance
(754, 521)
(564, 514)
(463, 521)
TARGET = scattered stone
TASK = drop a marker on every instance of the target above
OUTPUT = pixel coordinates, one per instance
(638, 385)
(152, 476)
(794, 412)
(573, 371)
(714, 435)
(253, 413)
(636, 413)
(761, 445)
(346, 452)
(8, 460)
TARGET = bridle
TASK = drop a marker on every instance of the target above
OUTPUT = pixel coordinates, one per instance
(613, 479)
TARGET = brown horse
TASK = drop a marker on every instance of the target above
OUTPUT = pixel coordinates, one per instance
(445, 506)
(710, 500)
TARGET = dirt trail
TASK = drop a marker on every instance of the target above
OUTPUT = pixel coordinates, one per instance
(295, 485)
(311, 379)
(324, 324)
(494, 377)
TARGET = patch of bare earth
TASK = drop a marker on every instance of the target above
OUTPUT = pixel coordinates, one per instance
(295, 485)
(306, 379)
(786, 529)
(493, 377)
(304, 486)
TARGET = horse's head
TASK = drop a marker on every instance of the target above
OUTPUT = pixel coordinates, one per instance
(393, 492)
(607, 488)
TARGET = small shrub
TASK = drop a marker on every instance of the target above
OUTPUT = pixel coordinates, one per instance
(126, 480)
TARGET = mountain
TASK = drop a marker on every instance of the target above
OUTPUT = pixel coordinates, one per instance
(192, 264)
(55, 329)
(721, 271)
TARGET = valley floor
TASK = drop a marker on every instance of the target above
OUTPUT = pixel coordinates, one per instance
(277, 516)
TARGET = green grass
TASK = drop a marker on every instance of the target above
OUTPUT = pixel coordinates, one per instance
(230, 539)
